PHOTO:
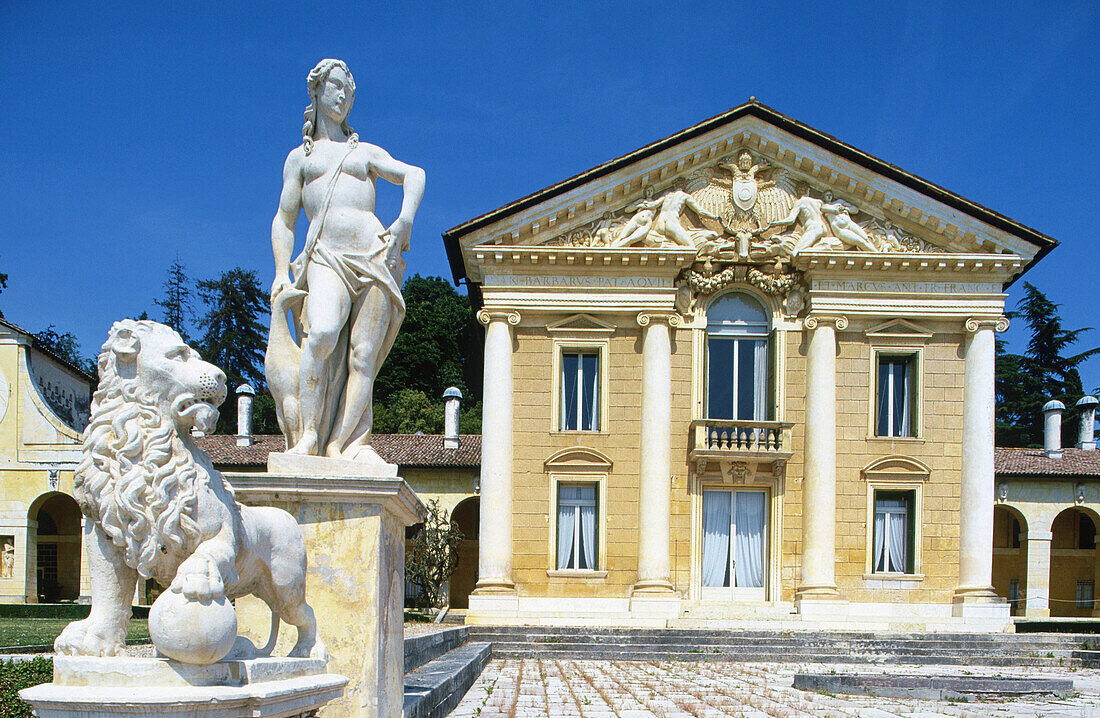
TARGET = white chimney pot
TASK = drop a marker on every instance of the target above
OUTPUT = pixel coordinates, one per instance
(1086, 438)
(452, 399)
(245, 394)
(1052, 428)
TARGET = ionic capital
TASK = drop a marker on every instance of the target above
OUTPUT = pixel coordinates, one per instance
(674, 320)
(498, 315)
(994, 322)
(814, 320)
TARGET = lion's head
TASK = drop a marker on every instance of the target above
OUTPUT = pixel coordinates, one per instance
(138, 478)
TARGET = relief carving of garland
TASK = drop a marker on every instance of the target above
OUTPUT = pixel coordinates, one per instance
(747, 221)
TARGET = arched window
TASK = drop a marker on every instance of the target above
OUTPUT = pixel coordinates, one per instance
(738, 359)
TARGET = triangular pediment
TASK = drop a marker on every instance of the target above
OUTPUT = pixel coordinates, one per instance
(726, 186)
(898, 329)
(580, 324)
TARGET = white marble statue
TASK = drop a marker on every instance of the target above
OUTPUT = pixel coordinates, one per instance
(346, 285)
(844, 228)
(157, 508)
(666, 228)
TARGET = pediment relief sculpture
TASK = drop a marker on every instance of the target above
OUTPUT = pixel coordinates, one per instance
(743, 209)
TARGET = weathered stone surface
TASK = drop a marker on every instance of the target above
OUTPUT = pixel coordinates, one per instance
(931, 687)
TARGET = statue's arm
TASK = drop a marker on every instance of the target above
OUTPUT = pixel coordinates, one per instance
(412, 180)
(282, 227)
(699, 209)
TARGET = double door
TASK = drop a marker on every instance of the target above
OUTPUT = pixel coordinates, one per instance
(735, 545)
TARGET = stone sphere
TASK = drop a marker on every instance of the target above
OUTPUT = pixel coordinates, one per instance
(191, 631)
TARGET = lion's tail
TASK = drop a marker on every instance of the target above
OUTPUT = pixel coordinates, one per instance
(270, 647)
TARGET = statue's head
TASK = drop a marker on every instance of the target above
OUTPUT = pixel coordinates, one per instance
(744, 161)
(331, 90)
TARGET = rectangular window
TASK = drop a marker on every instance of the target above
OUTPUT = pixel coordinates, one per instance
(577, 526)
(737, 383)
(1014, 595)
(894, 406)
(1084, 594)
(580, 391)
(894, 531)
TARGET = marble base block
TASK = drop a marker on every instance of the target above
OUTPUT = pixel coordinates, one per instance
(87, 687)
(354, 528)
(322, 466)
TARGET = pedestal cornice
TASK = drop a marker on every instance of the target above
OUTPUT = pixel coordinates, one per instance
(392, 494)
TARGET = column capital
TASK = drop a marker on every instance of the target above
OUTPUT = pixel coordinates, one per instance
(498, 315)
(814, 320)
(998, 323)
(674, 320)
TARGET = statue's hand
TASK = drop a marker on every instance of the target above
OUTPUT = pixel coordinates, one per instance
(281, 282)
(401, 231)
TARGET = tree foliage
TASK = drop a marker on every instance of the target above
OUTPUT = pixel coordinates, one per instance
(1025, 382)
(64, 346)
(3, 286)
(177, 304)
(432, 556)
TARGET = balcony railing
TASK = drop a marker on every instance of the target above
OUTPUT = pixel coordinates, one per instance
(721, 438)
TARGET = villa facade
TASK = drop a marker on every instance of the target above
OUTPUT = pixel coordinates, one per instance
(744, 372)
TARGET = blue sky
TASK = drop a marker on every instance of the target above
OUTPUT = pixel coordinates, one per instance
(136, 134)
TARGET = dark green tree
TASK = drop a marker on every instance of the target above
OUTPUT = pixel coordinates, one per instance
(63, 346)
(233, 337)
(1045, 371)
(177, 304)
(407, 412)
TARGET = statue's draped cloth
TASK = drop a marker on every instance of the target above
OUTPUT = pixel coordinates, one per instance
(380, 265)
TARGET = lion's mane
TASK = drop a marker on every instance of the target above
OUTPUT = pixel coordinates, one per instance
(136, 479)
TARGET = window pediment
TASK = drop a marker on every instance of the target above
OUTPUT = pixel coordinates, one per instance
(578, 458)
(581, 324)
(896, 467)
(899, 329)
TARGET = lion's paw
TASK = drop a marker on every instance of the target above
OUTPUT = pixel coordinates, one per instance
(199, 579)
(86, 638)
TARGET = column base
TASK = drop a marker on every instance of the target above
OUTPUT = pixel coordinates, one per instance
(819, 607)
(653, 588)
(817, 592)
(976, 594)
(494, 587)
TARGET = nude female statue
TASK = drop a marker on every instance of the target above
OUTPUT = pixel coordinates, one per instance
(350, 274)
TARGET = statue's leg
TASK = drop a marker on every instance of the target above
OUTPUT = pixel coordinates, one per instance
(326, 311)
(103, 632)
(368, 332)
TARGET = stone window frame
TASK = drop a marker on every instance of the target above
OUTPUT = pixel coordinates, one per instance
(599, 479)
(602, 348)
(916, 354)
(895, 474)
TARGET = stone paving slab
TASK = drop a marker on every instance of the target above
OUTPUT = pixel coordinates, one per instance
(529, 688)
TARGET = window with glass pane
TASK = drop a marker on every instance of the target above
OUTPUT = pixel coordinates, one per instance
(737, 351)
(580, 386)
(577, 526)
(894, 406)
(733, 539)
(893, 532)
(1084, 594)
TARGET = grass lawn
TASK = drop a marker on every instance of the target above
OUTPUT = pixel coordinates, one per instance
(42, 631)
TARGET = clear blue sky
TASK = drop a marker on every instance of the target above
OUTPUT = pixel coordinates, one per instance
(136, 134)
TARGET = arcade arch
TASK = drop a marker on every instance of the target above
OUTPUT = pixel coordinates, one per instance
(53, 549)
(1010, 556)
(1073, 563)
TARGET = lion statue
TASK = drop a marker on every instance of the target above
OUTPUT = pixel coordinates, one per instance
(158, 509)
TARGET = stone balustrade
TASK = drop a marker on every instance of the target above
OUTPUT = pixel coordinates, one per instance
(717, 438)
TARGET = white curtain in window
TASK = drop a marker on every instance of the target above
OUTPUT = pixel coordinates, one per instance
(588, 534)
(884, 399)
(760, 381)
(589, 372)
(898, 536)
(716, 537)
(749, 546)
(901, 399)
(880, 541)
(569, 393)
(567, 514)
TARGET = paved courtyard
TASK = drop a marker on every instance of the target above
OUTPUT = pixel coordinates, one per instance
(524, 688)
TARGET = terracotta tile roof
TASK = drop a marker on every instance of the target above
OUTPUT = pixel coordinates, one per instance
(1033, 462)
(400, 449)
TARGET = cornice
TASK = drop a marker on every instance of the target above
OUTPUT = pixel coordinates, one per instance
(394, 495)
(997, 265)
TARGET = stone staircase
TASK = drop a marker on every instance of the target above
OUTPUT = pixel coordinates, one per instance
(563, 643)
(439, 668)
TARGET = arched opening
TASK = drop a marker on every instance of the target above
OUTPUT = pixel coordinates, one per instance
(1072, 564)
(1010, 557)
(55, 549)
(739, 383)
(467, 515)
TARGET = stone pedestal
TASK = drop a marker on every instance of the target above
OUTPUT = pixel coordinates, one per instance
(90, 687)
(354, 528)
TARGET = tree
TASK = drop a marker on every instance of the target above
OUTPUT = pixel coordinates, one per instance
(63, 346)
(3, 286)
(407, 412)
(233, 337)
(432, 556)
(177, 303)
(1025, 382)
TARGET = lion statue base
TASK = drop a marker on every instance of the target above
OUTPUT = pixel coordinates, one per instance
(158, 509)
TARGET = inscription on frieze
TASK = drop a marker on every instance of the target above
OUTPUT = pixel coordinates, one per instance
(870, 285)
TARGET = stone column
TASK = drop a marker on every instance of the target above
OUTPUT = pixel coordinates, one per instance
(976, 490)
(819, 482)
(495, 545)
(655, 476)
(1037, 590)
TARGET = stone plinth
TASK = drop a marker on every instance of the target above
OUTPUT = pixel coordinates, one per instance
(105, 687)
(354, 528)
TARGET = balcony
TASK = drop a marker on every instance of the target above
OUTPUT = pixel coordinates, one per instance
(722, 440)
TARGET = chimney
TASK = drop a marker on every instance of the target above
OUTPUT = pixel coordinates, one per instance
(1052, 428)
(1086, 439)
(452, 398)
(245, 394)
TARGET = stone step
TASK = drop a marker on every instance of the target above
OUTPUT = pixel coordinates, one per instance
(429, 646)
(1088, 658)
(435, 688)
